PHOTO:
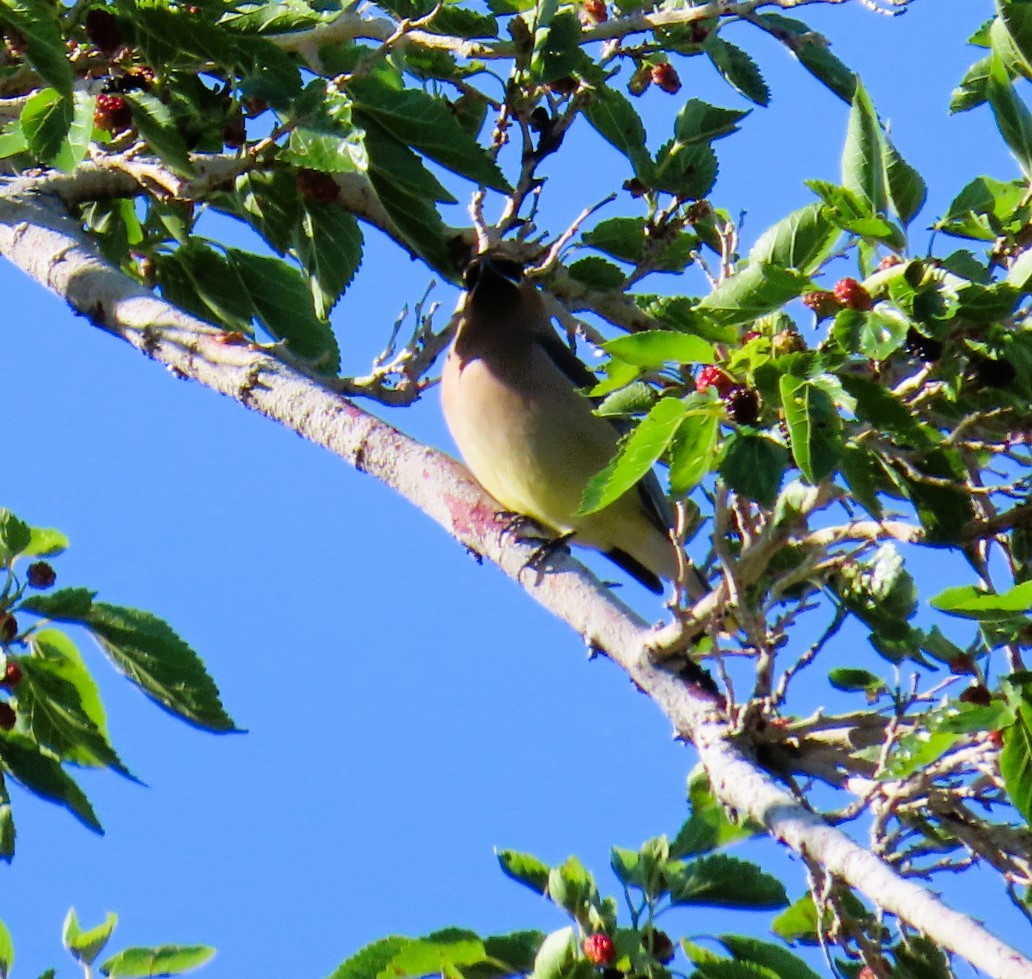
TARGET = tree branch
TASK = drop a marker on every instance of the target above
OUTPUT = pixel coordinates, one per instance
(38, 236)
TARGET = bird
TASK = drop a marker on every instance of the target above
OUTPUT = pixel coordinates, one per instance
(511, 392)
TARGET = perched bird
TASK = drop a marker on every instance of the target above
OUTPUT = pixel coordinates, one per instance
(511, 398)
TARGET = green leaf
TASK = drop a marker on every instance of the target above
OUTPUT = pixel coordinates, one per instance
(971, 92)
(66, 604)
(15, 536)
(623, 238)
(782, 963)
(282, 303)
(394, 159)
(700, 122)
(970, 718)
(44, 542)
(687, 170)
(277, 18)
(638, 453)
(597, 274)
(850, 679)
(57, 128)
(693, 450)
(165, 960)
(654, 348)
(804, 241)
(6, 951)
(55, 717)
(613, 117)
(798, 922)
(854, 214)
(907, 189)
(524, 869)
(632, 399)
(753, 465)
(557, 51)
(726, 882)
(85, 946)
(739, 70)
(372, 960)
(757, 289)
(329, 247)
(44, 776)
(970, 602)
(44, 39)
(557, 953)
(156, 124)
(7, 834)
(416, 222)
(814, 426)
(863, 164)
(426, 124)
(1015, 16)
(1016, 764)
(881, 409)
(709, 826)
(1013, 118)
(269, 203)
(202, 281)
(828, 69)
(153, 657)
(882, 331)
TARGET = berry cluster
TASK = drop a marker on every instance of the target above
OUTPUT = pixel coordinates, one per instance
(112, 113)
(742, 403)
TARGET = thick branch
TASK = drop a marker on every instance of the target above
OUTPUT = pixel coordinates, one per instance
(39, 237)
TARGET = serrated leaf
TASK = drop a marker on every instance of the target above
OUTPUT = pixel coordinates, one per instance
(86, 945)
(708, 827)
(622, 238)
(597, 274)
(44, 776)
(277, 18)
(757, 289)
(6, 951)
(1013, 118)
(57, 128)
(44, 542)
(725, 882)
(638, 453)
(700, 122)
(803, 241)
(37, 21)
(971, 92)
(203, 282)
(66, 604)
(371, 960)
(268, 202)
(654, 348)
(828, 69)
(283, 305)
(416, 221)
(739, 70)
(613, 117)
(156, 124)
(15, 535)
(814, 426)
(557, 51)
(863, 164)
(798, 922)
(693, 451)
(329, 247)
(152, 656)
(395, 160)
(165, 960)
(907, 189)
(754, 466)
(854, 214)
(632, 399)
(778, 959)
(850, 679)
(687, 170)
(525, 869)
(970, 602)
(423, 122)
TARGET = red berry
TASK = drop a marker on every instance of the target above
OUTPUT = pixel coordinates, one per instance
(751, 335)
(711, 376)
(595, 11)
(40, 574)
(599, 949)
(8, 627)
(12, 675)
(665, 76)
(995, 738)
(743, 405)
(852, 294)
(314, 185)
(112, 113)
(102, 30)
(822, 302)
(889, 262)
(7, 717)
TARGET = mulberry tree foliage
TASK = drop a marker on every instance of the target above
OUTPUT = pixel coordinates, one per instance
(826, 401)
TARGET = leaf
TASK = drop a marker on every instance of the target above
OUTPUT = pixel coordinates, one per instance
(1013, 118)
(203, 282)
(15, 536)
(700, 122)
(165, 960)
(757, 289)
(969, 602)
(58, 129)
(1016, 17)
(907, 189)
(557, 51)
(44, 542)
(372, 960)
(524, 869)
(687, 170)
(277, 18)
(863, 165)
(622, 238)
(798, 922)
(153, 657)
(725, 882)
(557, 953)
(850, 679)
(782, 963)
(425, 123)
(739, 70)
(654, 348)
(970, 93)
(854, 214)
(814, 426)
(632, 399)
(613, 117)
(85, 946)
(416, 222)
(802, 241)
(44, 776)
(44, 39)
(708, 827)
(67, 604)
(826, 67)
(638, 453)
(597, 274)
(397, 162)
(693, 450)
(329, 247)
(156, 124)
(6, 951)
(754, 466)
(283, 305)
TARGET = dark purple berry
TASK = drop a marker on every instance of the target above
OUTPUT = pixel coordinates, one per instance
(40, 574)
(743, 405)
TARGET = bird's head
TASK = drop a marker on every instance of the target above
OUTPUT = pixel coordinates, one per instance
(492, 281)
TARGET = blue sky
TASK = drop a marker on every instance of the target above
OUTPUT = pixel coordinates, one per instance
(407, 710)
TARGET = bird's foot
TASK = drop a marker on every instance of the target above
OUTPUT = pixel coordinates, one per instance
(546, 549)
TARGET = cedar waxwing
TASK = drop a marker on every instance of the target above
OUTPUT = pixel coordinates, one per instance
(511, 398)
